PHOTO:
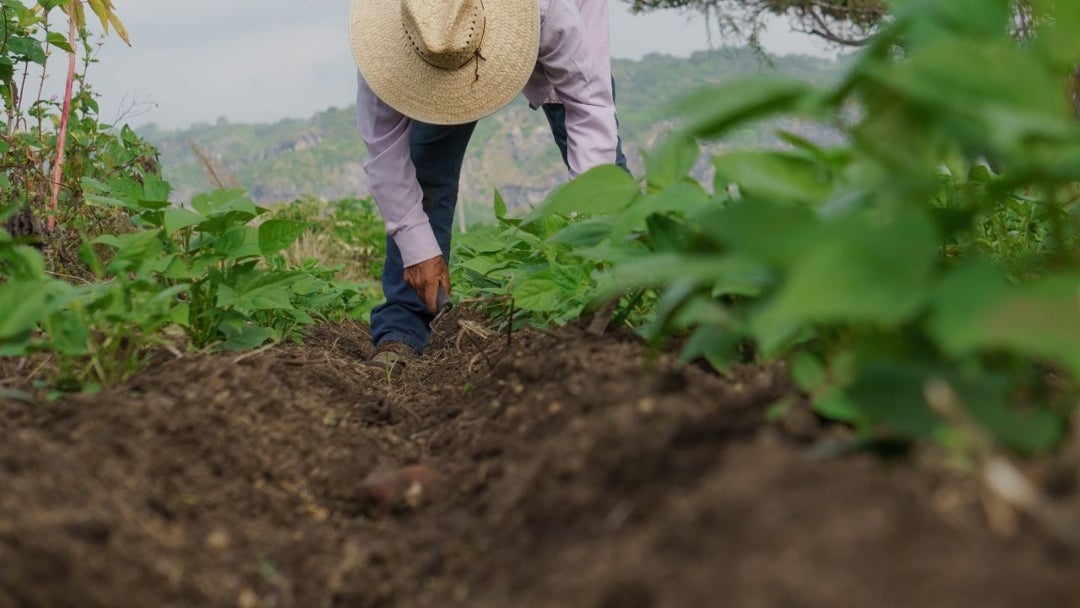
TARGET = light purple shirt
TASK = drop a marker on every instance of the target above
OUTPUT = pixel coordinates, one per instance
(573, 68)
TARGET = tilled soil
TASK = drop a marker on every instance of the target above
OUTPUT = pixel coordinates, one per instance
(563, 469)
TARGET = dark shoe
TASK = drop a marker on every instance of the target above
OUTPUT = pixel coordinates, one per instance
(392, 358)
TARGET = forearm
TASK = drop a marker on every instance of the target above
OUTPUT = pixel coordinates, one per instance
(392, 177)
(579, 69)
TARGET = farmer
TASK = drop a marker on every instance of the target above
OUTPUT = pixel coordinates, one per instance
(429, 69)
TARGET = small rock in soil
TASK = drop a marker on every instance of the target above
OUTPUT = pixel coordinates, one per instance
(387, 491)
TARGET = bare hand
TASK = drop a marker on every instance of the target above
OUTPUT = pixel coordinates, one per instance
(426, 278)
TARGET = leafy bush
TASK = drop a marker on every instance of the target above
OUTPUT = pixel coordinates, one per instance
(927, 266)
(207, 270)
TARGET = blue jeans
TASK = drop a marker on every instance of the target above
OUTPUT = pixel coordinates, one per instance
(437, 151)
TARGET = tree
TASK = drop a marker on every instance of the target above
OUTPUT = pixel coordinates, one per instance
(841, 22)
(844, 23)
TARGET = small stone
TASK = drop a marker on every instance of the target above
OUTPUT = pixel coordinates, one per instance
(647, 405)
(247, 599)
(555, 407)
(382, 492)
(218, 539)
(414, 496)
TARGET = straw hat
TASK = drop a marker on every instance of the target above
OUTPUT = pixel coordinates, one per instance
(445, 61)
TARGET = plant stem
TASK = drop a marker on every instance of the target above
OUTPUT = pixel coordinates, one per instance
(61, 136)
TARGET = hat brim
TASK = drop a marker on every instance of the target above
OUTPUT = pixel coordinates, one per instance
(402, 79)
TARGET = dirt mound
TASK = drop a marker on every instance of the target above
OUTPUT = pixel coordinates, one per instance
(562, 469)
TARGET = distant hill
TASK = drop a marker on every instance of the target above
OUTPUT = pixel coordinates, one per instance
(512, 150)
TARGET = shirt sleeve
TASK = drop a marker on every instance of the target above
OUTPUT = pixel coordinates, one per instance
(582, 80)
(392, 176)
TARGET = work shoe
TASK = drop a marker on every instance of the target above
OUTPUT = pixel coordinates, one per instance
(391, 357)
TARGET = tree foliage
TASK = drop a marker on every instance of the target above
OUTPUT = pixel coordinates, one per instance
(844, 22)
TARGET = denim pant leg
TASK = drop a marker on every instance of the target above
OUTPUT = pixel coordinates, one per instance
(437, 152)
(556, 117)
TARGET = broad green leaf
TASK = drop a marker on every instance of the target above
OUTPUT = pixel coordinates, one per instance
(599, 191)
(483, 241)
(986, 398)
(835, 405)
(245, 336)
(725, 274)
(773, 233)
(717, 345)
(109, 201)
(175, 219)
(670, 161)
(27, 303)
(483, 265)
(277, 235)
(308, 285)
(863, 269)
(808, 371)
(892, 393)
(68, 333)
(155, 193)
(712, 111)
(133, 250)
(585, 233)
(220, 202)
(538, 293)
(1040, 319)
(238, 242)
(668, 234)
(263, 291)
(682, 196)
(25, 47)
(59, 41)
(776, 176)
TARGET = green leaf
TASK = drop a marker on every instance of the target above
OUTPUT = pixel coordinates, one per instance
(484, 240)
(59, 41)
(725, 274)
(682, 196)
(500, 206)
(891, 393)
(776, 176)
(538, 293)
(585, 233)
(155, 192)
(109, 201)
(238, 242)
(986, 398)
(177, 218)
(1038, 319)
(599, 191)
(26, 47)
(668, 234)
(835, 405)
(260, 291)
(670, 162)
(862, 269)
(244, 336)
(773, 233)
(68, 333)
(220, 202)
(28, 303)
(712, 111)
(308, 285)
(277, 235)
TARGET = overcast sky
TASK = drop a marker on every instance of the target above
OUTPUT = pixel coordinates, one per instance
(260, 61)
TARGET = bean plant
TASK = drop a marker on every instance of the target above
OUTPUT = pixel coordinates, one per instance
(923, 271)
